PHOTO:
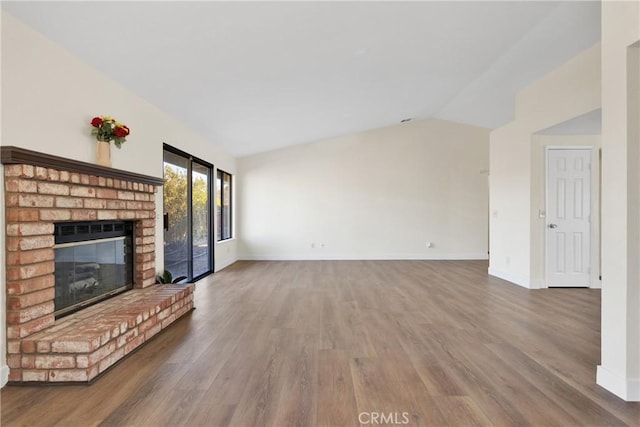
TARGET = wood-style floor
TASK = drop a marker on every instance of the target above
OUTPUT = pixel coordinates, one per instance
(336, 343)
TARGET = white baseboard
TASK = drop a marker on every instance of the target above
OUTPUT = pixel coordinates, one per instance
(625, 388)
(510, 277)
(4, 375)
(361, 257)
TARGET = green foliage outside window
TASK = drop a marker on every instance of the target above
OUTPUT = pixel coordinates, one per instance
(175, 204)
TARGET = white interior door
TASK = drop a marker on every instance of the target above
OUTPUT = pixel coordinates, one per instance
(568, 236)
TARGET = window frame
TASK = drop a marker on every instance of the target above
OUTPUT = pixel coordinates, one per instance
(220, 174)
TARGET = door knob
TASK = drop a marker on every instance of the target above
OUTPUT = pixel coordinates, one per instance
(553, 225)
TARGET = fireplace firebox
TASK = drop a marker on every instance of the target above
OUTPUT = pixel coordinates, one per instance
(93, 261)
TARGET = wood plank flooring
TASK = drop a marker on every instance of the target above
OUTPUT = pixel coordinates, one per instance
(340, 343)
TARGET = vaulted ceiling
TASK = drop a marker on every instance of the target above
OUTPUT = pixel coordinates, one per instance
(255, 76)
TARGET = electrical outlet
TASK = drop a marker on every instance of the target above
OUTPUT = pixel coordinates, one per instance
(430, 245)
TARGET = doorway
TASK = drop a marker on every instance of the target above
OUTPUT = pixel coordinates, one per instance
(187, 204)
(568, 224)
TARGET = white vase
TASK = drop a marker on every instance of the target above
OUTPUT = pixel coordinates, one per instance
(103, 153)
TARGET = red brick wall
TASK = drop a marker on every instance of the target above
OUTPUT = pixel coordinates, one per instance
(35, 198)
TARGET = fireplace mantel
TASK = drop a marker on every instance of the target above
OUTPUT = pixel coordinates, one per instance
(11, 155)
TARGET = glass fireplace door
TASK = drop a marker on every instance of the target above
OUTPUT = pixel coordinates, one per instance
(93, 261)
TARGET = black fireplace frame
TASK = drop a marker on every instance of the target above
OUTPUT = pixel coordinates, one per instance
(90, 231)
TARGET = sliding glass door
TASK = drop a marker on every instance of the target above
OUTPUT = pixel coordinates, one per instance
(176, 215)
(188, 233)
(201, 218)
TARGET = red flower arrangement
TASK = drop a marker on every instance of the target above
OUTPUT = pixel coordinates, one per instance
(107, 129)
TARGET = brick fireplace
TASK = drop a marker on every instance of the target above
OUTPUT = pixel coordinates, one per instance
(43, 190)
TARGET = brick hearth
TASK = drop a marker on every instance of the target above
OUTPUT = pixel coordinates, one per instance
(39, 347)
(83, 345)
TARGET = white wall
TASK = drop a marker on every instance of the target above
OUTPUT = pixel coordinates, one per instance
(380, 194)
(619, 370)
(571, 90)
(49, 97)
